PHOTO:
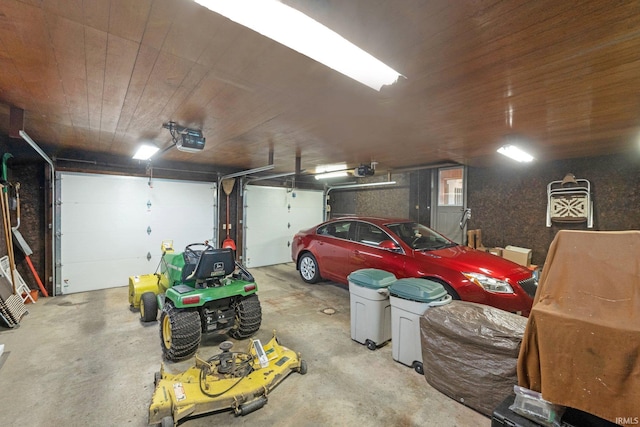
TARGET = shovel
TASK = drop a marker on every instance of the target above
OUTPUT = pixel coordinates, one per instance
(22, 244)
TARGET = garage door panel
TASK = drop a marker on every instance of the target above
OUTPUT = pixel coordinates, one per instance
(85, 188)
(273, 216)
(182, 235)
(103, 274)
(103, 217)
(199, 195)
(109, 225)
(96, 246)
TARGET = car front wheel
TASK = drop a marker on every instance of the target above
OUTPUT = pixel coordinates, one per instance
(308, 267)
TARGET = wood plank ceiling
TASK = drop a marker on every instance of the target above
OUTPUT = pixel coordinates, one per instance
(101, 76)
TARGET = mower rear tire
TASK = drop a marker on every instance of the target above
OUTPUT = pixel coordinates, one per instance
(248, 318)
(180, 332)
(148, 307)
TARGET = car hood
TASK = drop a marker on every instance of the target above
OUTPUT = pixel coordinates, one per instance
(465, 259)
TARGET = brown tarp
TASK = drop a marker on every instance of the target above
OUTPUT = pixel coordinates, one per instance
(470, 352)
(581, 347)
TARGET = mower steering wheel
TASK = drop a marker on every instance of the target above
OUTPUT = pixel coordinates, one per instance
(191, 252)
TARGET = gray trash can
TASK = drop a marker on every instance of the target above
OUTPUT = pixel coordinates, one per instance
(370, 306)
(409, 299)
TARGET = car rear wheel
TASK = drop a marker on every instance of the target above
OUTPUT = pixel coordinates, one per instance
(308, 267)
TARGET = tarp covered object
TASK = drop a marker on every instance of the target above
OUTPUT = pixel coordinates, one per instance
(582, 343)
(470, 352)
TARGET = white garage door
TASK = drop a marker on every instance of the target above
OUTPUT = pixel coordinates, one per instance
(111, 227)
(272, 216)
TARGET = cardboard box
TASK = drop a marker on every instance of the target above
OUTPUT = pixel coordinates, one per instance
(517, 254)
(495, 251)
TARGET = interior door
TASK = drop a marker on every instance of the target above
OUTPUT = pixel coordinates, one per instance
(448, 201)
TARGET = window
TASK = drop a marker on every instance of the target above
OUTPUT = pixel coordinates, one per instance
(450, 187)
(419, 237)
(338, 229)
(369, 234)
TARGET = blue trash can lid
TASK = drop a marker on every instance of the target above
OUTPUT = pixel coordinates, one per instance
(372, 278)
(420, 290)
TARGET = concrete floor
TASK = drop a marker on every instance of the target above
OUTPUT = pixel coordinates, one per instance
(86, 360)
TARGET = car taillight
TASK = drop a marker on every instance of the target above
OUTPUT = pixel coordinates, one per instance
(191, 300)
(248, 288)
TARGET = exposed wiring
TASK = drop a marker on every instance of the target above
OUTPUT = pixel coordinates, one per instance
(243, 369)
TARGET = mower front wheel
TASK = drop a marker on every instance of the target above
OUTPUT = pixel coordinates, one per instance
(167, 422)
(248, 318)
(180, 332)
(148, 307)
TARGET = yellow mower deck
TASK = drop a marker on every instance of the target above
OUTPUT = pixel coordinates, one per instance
(203, 388)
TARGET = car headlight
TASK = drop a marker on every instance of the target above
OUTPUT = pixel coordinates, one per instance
(489, 284)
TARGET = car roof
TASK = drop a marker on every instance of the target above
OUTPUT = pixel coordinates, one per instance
(371, 219)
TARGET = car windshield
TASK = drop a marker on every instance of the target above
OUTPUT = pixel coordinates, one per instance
(419, 237)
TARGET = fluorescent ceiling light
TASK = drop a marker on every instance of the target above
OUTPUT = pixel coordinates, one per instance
(515, 153)
(303, 34)
(331, 171)
(331, 168)
(145, 152)
(335, 174)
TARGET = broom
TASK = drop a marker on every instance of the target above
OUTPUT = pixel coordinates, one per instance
(227, 186)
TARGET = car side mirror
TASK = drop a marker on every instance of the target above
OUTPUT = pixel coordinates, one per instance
(389, 245)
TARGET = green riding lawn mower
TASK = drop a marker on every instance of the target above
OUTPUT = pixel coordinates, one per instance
(202, 290)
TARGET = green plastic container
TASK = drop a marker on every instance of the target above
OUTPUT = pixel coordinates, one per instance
(409, 299)
(372, 278)
(420, 290)
(370, 306)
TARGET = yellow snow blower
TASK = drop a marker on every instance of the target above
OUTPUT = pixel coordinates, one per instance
(229, 380)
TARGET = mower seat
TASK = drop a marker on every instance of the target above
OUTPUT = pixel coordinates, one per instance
(191, 259)
(214, 264)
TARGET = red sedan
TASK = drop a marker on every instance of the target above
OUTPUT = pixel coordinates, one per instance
(334, 249)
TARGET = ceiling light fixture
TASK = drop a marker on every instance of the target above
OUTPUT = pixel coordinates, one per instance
(331, 171)
(145, 151)
(515, 153)
(336, 174)
(303, 34)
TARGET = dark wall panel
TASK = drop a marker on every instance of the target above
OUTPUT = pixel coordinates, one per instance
(384, 201)
(420, 196)
(509, 203)
(30, 175)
